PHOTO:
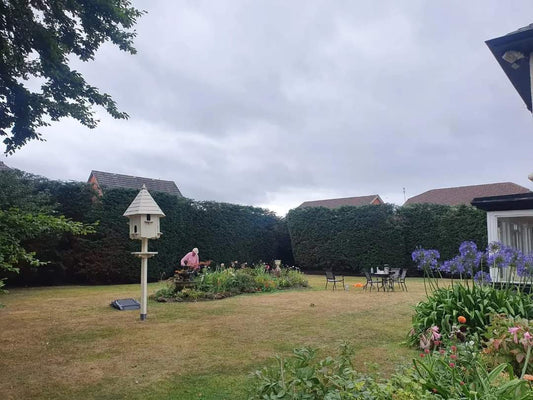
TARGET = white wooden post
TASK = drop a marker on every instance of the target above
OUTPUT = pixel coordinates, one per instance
(144, 277)
(143, 215)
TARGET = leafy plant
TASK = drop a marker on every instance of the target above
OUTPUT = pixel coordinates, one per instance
(304, 377)
(223, 282)
(476, 303)
(292, 278)
(191, 294)
(509, 340)
(458, 372)
(473, 297)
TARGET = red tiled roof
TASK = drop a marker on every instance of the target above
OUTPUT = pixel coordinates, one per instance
(455, 196)
(347, 201)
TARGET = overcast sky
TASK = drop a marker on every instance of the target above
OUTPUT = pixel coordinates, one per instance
(273, 103)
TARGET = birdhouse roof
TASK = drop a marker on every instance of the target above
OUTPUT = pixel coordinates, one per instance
(143, 204)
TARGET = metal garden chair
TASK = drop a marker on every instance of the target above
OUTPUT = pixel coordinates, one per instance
(332, 278)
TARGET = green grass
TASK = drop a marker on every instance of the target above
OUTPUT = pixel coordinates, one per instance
(67, 342)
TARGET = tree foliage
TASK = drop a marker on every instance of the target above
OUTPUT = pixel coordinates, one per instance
(37, 39)
(26, 213)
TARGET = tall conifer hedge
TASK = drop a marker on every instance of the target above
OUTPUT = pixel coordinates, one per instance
(347, 238)
(223, 233)
(358, 238)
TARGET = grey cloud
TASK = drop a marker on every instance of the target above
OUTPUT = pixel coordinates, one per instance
(246, 101)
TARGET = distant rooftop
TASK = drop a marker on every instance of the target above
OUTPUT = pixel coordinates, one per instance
(115, 181)
(455, 196)
(346, 201)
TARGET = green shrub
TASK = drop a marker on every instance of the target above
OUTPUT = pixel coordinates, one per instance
(333, 378)
(265, 283)
(475, 302)
(167, 292)
(222, 231)
(243, 281)
(191, 294)
(456, 372)
(224, 282)
(459, 372)
(509, 340)
(292, 278)
(355, 238)
(303, 377)
(436, 226)
(215, 281)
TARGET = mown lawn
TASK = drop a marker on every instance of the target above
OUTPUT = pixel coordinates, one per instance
(68, 343)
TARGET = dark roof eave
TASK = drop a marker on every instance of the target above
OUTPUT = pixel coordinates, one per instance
(522, 41)
(512, 202)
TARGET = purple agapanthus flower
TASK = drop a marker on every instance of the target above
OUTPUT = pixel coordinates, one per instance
(470, 257)
(524, 267)
(426, 259)
(466, 263)
(453, 266)
(467, 248)
(502, 256)
(499, 255)
(482, 277)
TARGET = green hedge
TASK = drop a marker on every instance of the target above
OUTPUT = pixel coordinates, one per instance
(347, 238)
(444, 228)
(357, 238)
(223, 232)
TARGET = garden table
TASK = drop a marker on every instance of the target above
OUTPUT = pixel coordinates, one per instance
(386, 282)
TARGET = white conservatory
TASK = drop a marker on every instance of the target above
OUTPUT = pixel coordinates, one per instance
(509, 221)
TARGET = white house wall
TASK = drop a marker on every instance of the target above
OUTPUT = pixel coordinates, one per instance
(521, 239)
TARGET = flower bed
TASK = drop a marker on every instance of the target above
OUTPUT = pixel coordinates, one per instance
(218, 283)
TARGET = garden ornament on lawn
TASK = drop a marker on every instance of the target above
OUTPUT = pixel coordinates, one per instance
(143, 214)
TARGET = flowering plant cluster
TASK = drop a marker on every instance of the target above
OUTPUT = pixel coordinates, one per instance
(468, 263)
(426, 260)
(501, 256)
(223, 282)
(510, 340)
(455, 369)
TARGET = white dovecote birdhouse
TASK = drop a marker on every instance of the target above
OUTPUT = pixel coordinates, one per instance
(143, 214)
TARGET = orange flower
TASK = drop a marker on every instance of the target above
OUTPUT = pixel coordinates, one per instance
(528, 377)
(461, 319)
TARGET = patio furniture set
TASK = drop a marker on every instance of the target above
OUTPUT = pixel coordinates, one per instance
(385, 279)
